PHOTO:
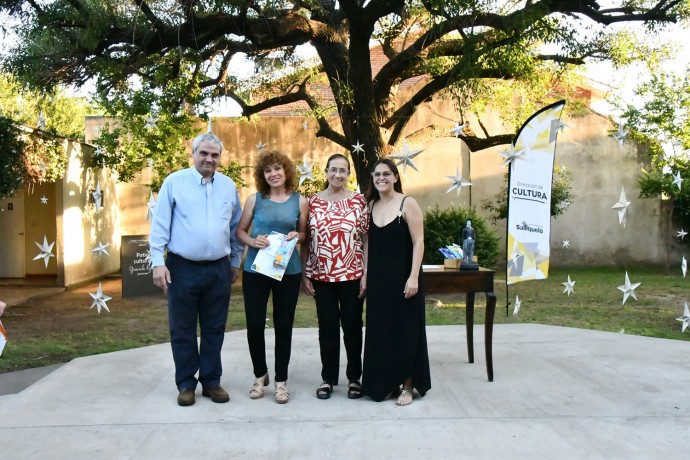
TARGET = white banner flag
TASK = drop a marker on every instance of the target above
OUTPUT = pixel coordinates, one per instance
(531, 161)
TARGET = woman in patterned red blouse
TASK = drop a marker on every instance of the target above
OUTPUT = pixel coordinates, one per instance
(335, 274)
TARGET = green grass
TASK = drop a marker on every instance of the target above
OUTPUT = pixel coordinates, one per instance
(595, 304)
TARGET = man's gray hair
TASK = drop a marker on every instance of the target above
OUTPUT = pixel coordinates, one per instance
(206, 137)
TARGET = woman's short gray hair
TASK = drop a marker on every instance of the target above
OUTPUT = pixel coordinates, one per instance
(206, 137)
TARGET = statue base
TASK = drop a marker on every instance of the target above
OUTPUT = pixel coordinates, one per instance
(469, 266)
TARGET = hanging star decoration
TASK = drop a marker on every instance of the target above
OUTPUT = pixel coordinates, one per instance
(405, 157)
(358, 148)
(677, 180)
(97, 195)
(305, 125)
(305, 171)
(566, 244)
(685, 319)
(151, 122)
(666, 169)
(681, 234)
(260, 146)
(459, 130)
(100, 299)
(569, 286)
(556, 126)
(44, 200)
(621, 133)
(517, 305)
(511, 155)
(41, 120)
(628, 289)
(101, 249)
(46, 250)
(98, 152)
(622, 207)
(684, 266)
(151, 205)
(457, 182)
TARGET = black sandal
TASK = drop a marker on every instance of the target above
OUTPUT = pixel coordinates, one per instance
(354, 390)
(324, 391)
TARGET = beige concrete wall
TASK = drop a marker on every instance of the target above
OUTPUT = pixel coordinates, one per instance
(80, 226)
(600, 167)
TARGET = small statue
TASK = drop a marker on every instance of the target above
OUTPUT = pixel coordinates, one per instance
(468, 262)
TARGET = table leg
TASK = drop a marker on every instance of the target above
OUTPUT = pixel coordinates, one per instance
(489, 333)
(469, 324)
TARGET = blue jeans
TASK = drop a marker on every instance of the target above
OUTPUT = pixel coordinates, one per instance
(198, 293)
(256, 288)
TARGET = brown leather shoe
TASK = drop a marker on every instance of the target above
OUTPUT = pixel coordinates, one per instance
(217, 394)
(186, 397)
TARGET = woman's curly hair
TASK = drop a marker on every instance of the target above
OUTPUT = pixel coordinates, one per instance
(269, 158)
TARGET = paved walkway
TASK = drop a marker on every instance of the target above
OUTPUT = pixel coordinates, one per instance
(558, 393)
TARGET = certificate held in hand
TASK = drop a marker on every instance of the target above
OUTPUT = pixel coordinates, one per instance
(273, 260)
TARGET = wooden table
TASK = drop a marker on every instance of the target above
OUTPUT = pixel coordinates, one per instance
(438, 280)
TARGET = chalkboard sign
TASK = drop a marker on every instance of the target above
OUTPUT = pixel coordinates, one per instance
(135, 265)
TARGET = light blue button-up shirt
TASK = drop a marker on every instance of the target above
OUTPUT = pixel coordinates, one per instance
(196, 220)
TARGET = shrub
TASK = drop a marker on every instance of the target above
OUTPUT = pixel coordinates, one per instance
(443, 227)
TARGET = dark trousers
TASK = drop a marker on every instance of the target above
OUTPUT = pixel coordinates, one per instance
(256, 288)
(198, 293)
(337, 304)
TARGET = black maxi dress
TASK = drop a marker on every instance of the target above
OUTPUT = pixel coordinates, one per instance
(395, 345)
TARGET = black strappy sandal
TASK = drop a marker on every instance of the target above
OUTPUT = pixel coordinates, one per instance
(354, 390)
(324, 391)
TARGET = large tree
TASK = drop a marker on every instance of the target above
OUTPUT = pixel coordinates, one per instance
(172, 56)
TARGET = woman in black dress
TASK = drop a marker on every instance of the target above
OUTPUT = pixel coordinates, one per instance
(395, 349)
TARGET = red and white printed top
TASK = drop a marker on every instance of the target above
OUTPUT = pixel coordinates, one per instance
(336, 229)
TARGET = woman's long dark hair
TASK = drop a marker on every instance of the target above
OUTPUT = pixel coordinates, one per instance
(373, 194)
(335, 156)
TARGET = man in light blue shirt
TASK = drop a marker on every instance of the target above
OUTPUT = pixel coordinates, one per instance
(195, 219)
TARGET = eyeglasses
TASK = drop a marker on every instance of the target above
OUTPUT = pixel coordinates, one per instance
(385, 174)
(334, 170)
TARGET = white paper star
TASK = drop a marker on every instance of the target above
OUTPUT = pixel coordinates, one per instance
(459, 130)
(457, 182)
(41, 120)
(684, 266)
(511, 155)
(260, 146)
(685, 318)
(101, 249)
(44, 200)
(556, 125)
(97, 195)
(151, 122)
(621, 133)
(406, 156)
(677, 180)
(98, 152)
(628, 289)
(622, 207)
(666, 169)
(46, 251)
(305, 171)
(566, 243)
(681, 234)
(358, 148)
(569, 286)
(151, 204)
(100, 299)
(517, 305)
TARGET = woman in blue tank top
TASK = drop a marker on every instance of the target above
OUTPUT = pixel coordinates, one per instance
(275, 207)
